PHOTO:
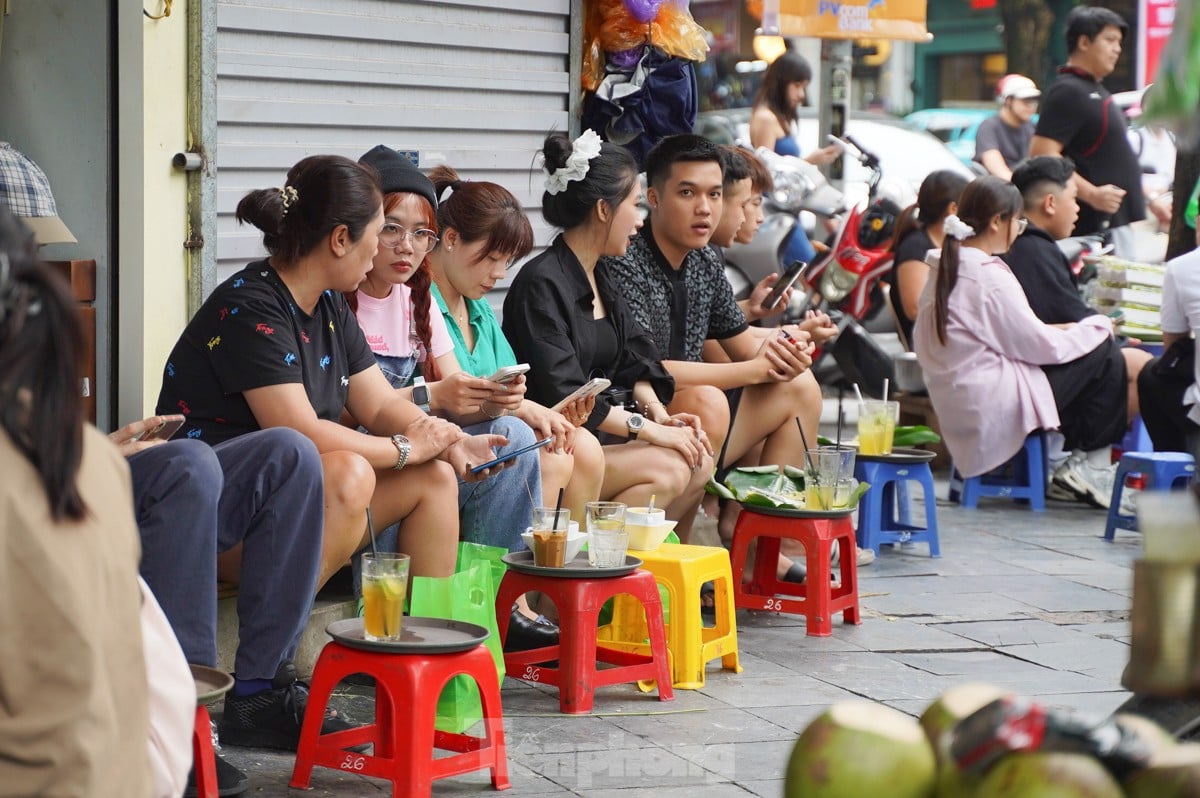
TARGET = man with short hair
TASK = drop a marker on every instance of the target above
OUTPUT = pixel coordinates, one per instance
(1080, 120)
(1045, 275)
(675, 285)
(1002, 141)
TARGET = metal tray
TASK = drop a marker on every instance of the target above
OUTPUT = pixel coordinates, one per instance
(577, 568)
(210, 683)
(791, 512)
(898, 456)
(418, 636)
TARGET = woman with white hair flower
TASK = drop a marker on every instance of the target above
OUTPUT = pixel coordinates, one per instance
(566, 318)
(995, 372)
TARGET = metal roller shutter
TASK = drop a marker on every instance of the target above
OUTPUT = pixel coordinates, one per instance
(473, 83)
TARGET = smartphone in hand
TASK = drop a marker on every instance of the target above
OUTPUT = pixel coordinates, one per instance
(783, 284)
(504, 457)
(593, 387)
(506, 374)
(163, 432)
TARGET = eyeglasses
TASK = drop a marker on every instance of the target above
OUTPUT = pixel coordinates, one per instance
(392, 234)
(1022, 223)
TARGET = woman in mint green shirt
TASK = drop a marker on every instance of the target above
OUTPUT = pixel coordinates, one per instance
(484, 230)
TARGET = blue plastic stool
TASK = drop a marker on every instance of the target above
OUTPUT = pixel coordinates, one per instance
(885, 512)
(1022, 477)
(1161, 470)
(1138, 437)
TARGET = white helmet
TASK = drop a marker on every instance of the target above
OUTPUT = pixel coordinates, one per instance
(1018, 87)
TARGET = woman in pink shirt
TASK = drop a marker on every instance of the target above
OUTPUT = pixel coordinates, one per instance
(995, 373)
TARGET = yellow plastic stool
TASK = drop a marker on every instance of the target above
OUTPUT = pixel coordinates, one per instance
(682, 569)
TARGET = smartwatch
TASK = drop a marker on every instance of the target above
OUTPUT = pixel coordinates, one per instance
(421, 394)
(635, 423)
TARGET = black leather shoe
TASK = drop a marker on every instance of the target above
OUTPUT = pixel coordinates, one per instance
(525, 633)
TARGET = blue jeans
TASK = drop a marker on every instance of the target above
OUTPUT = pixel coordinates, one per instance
(398, 370)
(497, 510)
(262, 490)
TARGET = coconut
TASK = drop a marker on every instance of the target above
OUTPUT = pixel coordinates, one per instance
(856, 749)
(940, 717)
(1173, 772)
(1043, 774)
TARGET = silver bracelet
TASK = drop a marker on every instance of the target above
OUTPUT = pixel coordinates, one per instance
(403, 450)
(483, 409)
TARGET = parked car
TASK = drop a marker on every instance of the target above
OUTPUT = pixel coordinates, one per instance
(954, 126)
(906, 154)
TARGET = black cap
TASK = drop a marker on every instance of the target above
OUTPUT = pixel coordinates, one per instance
(397, 174)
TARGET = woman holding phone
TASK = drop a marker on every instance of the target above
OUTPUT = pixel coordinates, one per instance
(276, 345)
(566, 318)
(422, 351)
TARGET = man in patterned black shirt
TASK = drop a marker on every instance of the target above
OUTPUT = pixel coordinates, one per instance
(675, 284)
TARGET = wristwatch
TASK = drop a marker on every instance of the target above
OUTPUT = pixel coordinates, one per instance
(403, 450)
(421, 394)
(636, 422)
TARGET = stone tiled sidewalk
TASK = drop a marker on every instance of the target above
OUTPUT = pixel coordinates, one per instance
(1035, 602)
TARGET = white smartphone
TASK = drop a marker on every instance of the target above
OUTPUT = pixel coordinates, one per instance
(592, 387)
(506, 374)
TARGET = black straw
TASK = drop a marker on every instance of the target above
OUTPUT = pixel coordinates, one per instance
(557, 507)
(371, 529)
(804, 441)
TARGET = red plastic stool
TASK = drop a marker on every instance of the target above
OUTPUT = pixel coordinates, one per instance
(407, 687)
(579, 602)
(204, 759)
(817, 599)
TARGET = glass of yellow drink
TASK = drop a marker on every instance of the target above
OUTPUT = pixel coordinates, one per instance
(877, 426)
(828, 473)
(384, 587)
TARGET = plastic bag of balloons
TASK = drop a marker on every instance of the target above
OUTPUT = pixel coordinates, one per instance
(614, 32)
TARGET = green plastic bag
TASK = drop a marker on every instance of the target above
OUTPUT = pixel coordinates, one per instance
(469, 595)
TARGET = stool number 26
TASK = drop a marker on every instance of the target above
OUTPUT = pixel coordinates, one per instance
(352, 762)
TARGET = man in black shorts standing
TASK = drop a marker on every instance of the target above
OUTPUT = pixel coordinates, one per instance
(1080, 120)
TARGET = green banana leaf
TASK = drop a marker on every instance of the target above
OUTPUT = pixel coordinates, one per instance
(905, 437)
(766, 487)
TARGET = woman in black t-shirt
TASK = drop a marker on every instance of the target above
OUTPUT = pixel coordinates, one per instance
(564, 315)
(918, 230)
(277, 346)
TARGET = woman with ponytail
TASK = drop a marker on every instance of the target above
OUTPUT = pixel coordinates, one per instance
(918, 230)
(69, 600)
(485, 231)
(995, 372)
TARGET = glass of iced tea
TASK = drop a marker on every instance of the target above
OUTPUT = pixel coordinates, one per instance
(384, 587)
(607, 538)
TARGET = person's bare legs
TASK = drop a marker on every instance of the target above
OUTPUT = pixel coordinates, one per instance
(1135, 361)
(424, 499)
(635, 471)
(583, 481)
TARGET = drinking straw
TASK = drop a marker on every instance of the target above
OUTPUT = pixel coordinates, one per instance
(858, 393)
(557, 507)
(650, 509)
(885, 388)
(804, 441)
(841, 391)
(371, 529)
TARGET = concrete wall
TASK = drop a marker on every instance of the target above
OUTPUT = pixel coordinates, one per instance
(152, 199)
(54, 106)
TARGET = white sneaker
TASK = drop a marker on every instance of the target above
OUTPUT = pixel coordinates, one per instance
(1093, 484)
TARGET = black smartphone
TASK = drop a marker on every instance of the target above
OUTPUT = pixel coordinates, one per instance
(783, 284)
(506, 456)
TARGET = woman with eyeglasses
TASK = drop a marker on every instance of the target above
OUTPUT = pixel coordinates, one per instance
(995, 372)
(276, 345)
